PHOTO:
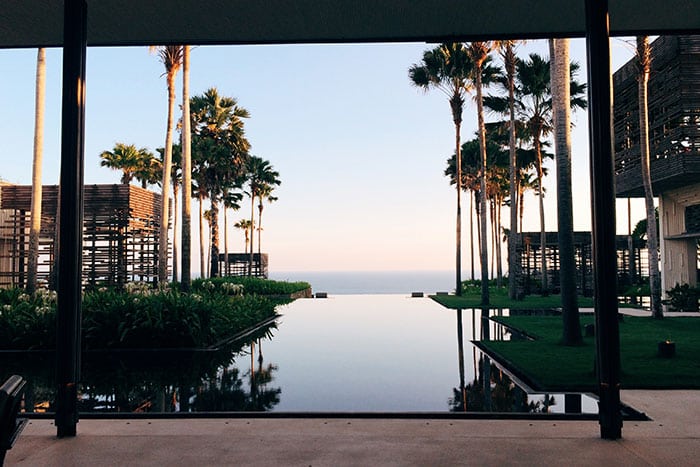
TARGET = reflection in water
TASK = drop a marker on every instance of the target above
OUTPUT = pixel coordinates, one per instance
(493, 390)
(154, 381)
(346, 353)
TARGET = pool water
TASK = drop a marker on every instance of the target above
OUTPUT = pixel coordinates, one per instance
(346, 353)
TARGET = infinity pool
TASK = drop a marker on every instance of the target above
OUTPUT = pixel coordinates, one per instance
(346, 353)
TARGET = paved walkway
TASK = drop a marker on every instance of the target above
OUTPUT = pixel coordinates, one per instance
(671, 439)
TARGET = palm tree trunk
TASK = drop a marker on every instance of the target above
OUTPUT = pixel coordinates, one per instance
(186, 173)
(543, 233)
(513, 260)
(492, 214)
(252, 231)
(202, 257)
(644, 57)
(37, 163)
(471, 229)
(521, 205)
(214, 258)
(175, 226)
(260, 210)
(482, 144)
(458, 250)
(226, 270)
(562, 142)
(165, 186)
(499, 253)
(630, 245)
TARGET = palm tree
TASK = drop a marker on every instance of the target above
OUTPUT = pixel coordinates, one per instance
(221, 151)
(150, 169)
(644, 63)
(244, 225)
(176, 179)
(186, 173)
(230, 200)
(171, 57)
(561, 106)
(448, 68)
(534, 108)
(37, 163)
(479, 53)
(510, 61)
(133, 162)
(261, 178)
(265, 194)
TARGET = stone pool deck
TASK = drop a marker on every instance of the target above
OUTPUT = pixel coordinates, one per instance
(671, 438)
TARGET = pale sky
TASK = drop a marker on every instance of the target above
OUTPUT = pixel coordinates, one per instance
(360, 151)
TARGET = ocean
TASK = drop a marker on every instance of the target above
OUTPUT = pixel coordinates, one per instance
(372, 282)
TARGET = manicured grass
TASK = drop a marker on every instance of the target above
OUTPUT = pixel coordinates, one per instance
(499, 299)
(550, 366)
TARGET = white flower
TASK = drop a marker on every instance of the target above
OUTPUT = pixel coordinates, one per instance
(23, 297)
(7, 307)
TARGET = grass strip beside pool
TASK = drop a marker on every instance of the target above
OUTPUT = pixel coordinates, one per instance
(499, 299)
(550, 366)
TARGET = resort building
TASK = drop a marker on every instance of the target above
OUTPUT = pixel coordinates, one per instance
(674, 133)
(120, 235)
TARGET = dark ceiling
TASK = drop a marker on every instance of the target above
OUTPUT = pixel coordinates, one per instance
(33, 23)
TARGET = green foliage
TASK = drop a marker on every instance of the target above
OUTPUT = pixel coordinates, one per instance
(140, 317)
(251, 285)
(471, 298)
(550, 366)
(683, 298)
(27, 322)
(640, 290)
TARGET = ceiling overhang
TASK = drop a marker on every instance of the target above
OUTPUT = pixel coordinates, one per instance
(34, 23)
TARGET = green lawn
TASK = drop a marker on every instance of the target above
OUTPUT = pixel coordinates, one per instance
(550, 366)
(499, 299)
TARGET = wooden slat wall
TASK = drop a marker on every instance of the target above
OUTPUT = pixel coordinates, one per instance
(674, 117)
(120, 239)
(530, 252)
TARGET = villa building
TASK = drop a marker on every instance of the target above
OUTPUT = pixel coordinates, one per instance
(674, 134)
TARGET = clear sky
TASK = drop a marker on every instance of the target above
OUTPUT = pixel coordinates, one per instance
(361, 153)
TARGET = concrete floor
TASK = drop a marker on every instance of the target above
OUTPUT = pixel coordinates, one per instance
(672, 438)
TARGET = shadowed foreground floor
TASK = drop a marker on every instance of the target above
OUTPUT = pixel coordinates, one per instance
(672, 438)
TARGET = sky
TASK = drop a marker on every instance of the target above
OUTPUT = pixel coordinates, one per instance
(360, 151)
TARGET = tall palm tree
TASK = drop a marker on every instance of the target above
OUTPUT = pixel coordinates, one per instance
(561, 106)
(186, 135)
(221, 151)
(133, 162)
(261, 177)
(479, 53)
(507, 50)
(265, 194)
(534, 78)
(534, 108)
(171, 57)
(448, 68)
(644, 64)
(244, 225)
(176, 179)
(37, 163)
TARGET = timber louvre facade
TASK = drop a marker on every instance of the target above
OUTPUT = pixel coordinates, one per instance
(674, 146)
(120, 235)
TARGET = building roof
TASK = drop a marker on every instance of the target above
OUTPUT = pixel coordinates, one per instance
(33, 23)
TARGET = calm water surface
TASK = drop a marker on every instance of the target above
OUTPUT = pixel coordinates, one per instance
(356, 353)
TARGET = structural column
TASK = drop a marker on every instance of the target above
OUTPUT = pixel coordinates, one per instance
(70, 218)
(603, 216)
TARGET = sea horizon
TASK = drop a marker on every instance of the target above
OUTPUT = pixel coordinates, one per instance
(372, 282)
